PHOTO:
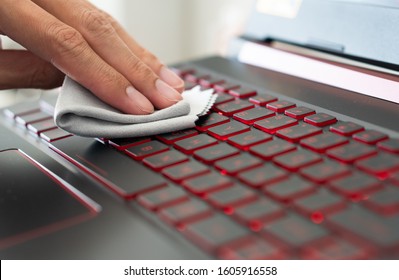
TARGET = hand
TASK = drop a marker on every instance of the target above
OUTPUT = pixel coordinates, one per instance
(77, 39)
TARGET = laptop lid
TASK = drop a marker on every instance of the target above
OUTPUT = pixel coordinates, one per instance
(364, 30)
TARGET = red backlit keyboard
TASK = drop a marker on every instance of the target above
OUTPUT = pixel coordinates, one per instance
(258, 178)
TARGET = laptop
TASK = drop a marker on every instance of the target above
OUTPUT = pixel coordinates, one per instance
(298, 158)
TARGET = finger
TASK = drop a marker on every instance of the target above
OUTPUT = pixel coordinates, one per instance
(65, 47)
(22, 69)
(102, 37)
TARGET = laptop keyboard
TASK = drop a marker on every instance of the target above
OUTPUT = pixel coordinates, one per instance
(257, 178)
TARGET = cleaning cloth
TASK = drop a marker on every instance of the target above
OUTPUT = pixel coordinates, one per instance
(80, 112)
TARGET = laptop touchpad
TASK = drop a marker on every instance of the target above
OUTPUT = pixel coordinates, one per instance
(33, 202)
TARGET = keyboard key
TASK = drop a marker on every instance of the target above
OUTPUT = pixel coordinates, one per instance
(262, 100)
(224, 131)
(146, 149)
(32, 117)
(239, 163)
(253, 249)
(242, 92)
(41, 126)
(233, 107)
(207, 183)
(216, 152)
(390, 145)
(299, 113)
(280, 106)
(185, 170)
(346, 128)
(250, 138)
(335, 248)
(186, 211)
(356, 185)
(163, 197)
(385, 201)
(124, 143)
(322, 201)
(271, 149)
(211, 120)
(321, 143)
(351, 152)
(253, 115)
(196, 76)
(298, 132)
(256, 213)
(295, 230)
(320, 119)
(21, 109)
(183, 71)
(54, 135)
(360, 222)
(214, 232)
(228, 198)
(295, 160)
(272, 124)
(172, 137)
(289, 189)
(165, 159)
(223, 98)
(191, 144)
(369, 136)
(210, 82)
(225, 87)
(262, 175)
(107, 165)
(381, 165)
(325, 171)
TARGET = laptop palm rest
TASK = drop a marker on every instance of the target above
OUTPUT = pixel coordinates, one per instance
(33, 202)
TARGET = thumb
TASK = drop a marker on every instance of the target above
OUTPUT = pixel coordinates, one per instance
(23, 69)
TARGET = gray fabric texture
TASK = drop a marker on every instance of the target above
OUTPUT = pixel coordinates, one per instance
(80, 112)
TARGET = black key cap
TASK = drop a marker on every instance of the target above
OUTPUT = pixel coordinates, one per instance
(385, 201)
(289, 189)
(242, 92)
(255, 213)
(299, 113)
(223, 98)
(185, 212)
(297, 159)
(390, 145)
(381, 165)
(370, 136)
(351, 152)
(146, 149)
(280, 106)
(262, 100)
(298, 132)
(253, 115)
(165, 159)
(224, 131)
(185, 170)
(320, 143)
(117, 171)
(250, 138)
(32, 117)
(262, 175)
(216, 152)
(215, 231)
(191, 144)
(271, 125)
(323, 201)
(230, 197)
(358, 221)
(346, 128)
(211, 120)
(170, 138)
(239, 163)
(21, 109)
(295, 230)
(232, 107)
(54, 135)
(162, 197)
(325, 171)
(124, 143)
(356, 185)
(320, 119)
(271, 149)
(225, 87)
(207, 183)
(210, 82)
(41, 126)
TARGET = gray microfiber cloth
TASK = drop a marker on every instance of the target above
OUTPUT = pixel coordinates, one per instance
(80, 112)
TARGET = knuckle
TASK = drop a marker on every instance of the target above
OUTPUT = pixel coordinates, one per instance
(141, 69)
(150, 59)
(45, 76)
(66, 40)
(97, 23)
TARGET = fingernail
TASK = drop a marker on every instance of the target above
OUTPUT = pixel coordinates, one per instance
(170, 77)
(139, 100)
(167, 92)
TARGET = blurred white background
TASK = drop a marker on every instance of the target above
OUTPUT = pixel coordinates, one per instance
(174, 30)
